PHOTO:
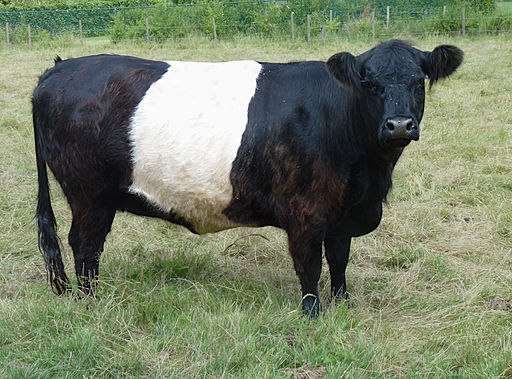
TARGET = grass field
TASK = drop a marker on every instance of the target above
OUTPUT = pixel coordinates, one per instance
(505, 5)
(431, 288)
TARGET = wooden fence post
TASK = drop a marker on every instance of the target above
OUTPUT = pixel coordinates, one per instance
(214, 29)
(293, 27)
(463, 22)
(147, 30)
(444, 10)
(330, 16)
(81, 35)
(309, 30)
(387, 17)
(7, 33)
(373, 26)
(29, 38)
(322, 33)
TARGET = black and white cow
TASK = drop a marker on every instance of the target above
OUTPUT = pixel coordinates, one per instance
(308, 147)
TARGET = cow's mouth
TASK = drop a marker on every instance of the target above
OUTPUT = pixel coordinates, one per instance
(399, 142)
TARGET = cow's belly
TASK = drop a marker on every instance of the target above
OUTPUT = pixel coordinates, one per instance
(185, 134)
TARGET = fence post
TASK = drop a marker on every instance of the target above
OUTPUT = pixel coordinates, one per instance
(214, 30)
(387, 17)
(373, 26)
(330, 16)
(69, 21)
(293, 27)
(444, 10)
(7, 33)
(147, 30)
(463, 22)
(29, 38)
(81, 35)
(322, 33)
(309, 30)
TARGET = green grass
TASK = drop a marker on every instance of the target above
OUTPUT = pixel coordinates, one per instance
(505, 5)
(431, 288)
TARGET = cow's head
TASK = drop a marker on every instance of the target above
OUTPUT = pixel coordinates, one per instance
(389, 81)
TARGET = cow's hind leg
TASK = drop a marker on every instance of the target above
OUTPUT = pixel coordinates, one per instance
(337, 251)
(88, 230)
(306, 251)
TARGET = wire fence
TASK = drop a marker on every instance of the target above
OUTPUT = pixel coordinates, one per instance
(294, 19)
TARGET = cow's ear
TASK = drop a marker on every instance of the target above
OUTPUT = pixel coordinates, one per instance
(442, 62)
(345, 68)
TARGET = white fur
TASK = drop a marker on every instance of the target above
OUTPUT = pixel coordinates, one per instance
(185, 134)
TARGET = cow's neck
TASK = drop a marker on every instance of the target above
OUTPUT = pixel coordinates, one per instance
(373, 175)
(370, 165)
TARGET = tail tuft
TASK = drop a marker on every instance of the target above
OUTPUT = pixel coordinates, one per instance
(48, 241)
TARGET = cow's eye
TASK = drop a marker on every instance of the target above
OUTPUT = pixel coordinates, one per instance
(372, 88)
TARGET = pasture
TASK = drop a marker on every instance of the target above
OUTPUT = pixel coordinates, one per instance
(505, 5)
(430, 289)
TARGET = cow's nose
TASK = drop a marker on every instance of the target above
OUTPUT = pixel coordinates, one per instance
(402, 128)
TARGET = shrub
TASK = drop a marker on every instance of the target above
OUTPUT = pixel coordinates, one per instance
(447, 23)
(363, 27)
(173, 22)
(334, 26)
(19, 34)
(210, 11)
(268, 19)
(272, 20)
(495, 23)
(127, 25)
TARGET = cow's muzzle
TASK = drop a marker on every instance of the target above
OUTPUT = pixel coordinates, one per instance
(399, 131)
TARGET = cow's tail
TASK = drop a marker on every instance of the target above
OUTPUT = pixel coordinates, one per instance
(48, 241)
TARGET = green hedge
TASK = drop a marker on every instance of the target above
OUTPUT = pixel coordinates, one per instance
(95, 22)
(178, 19)
(16, 6)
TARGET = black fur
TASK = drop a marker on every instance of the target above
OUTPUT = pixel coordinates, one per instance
(81, 110)
(442, 62)
(344, 67)
(316, 158)
(48, 241)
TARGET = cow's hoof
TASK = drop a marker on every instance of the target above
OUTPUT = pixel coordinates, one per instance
(61, 287)
(340, 296)
(311, 306)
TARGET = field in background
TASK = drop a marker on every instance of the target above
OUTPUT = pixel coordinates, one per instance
(431, 288)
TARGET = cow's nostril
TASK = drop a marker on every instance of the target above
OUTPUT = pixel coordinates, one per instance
(390, 126)
(410, 125)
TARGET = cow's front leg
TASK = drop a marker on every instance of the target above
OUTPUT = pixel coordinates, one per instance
(306, 251)
(337, 250)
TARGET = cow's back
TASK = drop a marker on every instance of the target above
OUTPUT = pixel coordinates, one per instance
(164, 132)
(83, 109)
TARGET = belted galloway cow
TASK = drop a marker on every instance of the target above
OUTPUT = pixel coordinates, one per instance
(308, 147)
